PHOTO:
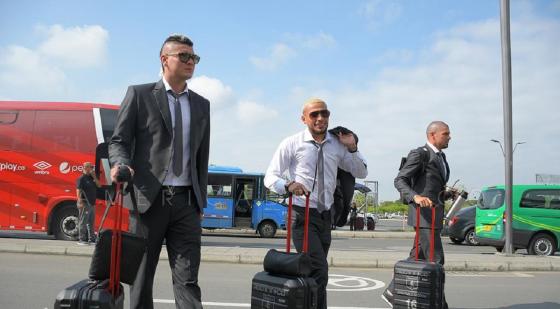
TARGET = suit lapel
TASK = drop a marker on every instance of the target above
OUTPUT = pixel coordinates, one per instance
(161, 98)
(196, 114)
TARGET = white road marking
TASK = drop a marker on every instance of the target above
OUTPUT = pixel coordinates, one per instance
(243, 305)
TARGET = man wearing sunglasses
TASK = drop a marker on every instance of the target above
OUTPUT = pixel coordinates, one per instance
(310, 159)
(163, 135)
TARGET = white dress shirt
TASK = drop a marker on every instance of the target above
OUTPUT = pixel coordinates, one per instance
(296, 160)
(185, 178)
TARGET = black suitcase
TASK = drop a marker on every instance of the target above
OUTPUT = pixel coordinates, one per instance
(279, 292)
(89, 294)
(282, 291)
(104, 294)
(419, 284)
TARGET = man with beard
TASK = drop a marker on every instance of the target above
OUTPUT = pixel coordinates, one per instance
(310, 160)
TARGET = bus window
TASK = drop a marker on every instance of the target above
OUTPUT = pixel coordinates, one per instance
(108, 120)
(64, 131)
(219, 185)
(273, 196)
(491, 199)
(15, 130)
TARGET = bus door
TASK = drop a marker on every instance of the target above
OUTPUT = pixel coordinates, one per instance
(219, 212)
(245, 194)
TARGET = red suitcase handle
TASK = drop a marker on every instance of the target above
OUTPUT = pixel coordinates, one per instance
(418, 232)
(305, 224)
(116, 244)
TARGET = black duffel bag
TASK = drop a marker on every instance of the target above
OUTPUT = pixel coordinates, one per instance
(289, 264)
(133, 249)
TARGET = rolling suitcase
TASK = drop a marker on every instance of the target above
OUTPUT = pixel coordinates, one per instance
(419, 284)
(104, 294)
(285, 283)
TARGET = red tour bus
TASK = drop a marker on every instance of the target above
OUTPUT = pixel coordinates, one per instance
(43, 146)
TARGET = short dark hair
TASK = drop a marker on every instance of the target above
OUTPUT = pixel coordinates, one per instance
(176, 38)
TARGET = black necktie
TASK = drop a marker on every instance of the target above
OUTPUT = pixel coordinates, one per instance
(177, 137)
(441, 159)
(320, 180)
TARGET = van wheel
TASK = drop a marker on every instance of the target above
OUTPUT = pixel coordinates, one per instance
(542, 244)
(267, 229)
(65, 222)
(470, 238)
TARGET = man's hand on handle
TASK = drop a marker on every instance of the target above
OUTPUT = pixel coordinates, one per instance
(297, 188)
(423, 201)
(115, 172)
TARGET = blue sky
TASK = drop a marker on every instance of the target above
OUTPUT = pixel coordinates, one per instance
(386, 69)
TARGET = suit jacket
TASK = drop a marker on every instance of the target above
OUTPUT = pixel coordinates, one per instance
(143, 140)
(411, 181)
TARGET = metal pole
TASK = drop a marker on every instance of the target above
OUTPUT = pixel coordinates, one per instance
(506, 85)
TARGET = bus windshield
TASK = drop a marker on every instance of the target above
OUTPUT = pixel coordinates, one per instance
(491, 199)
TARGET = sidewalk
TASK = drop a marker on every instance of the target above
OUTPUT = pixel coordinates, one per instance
(337, 258)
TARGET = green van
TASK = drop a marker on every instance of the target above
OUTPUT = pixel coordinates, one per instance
(536, 218)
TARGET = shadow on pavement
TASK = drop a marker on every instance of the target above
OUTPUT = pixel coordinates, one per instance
(547, 305)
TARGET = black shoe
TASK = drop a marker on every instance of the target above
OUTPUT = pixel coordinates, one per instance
(387, 296)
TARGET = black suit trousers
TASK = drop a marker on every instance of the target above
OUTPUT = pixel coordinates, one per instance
(319, 234)
(175, 219)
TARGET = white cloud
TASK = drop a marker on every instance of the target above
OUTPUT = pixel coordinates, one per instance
(378, 13)
(75, 47)
(318, 41)
(279, 55)
(24, 74)
(249, 112)
(219, 94)
(41, 73)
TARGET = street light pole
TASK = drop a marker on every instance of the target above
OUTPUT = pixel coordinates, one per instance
(506, 87)
(500, 143)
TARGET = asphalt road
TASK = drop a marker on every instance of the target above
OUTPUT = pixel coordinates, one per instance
(33, 281)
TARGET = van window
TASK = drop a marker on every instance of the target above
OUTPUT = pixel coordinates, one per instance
(219, 185)
(64, 131)
(549, 199)
(15, 130)
(491, 199)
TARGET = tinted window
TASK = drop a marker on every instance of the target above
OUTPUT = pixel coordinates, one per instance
(64, 131)
(15, 130)
(108, 120)
(543, 198)
(219, 185)
(491, 199)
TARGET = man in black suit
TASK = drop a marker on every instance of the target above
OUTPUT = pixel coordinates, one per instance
(421, 181)
(163, 134)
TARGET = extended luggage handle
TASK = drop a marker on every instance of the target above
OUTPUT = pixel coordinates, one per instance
(432, 240)
(116, 244)
(305, 224)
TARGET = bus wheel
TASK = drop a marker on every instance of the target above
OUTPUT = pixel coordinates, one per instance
(65, 222)
(541, 244)
(267, 229)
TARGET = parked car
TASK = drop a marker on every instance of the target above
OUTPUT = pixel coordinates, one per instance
(461, 227)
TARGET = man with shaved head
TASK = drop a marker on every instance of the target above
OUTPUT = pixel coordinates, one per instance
(306, 163)
(162, 135)
(421, 181)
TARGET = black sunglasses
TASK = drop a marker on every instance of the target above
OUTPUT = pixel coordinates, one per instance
(324, 112)
(185, 57)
